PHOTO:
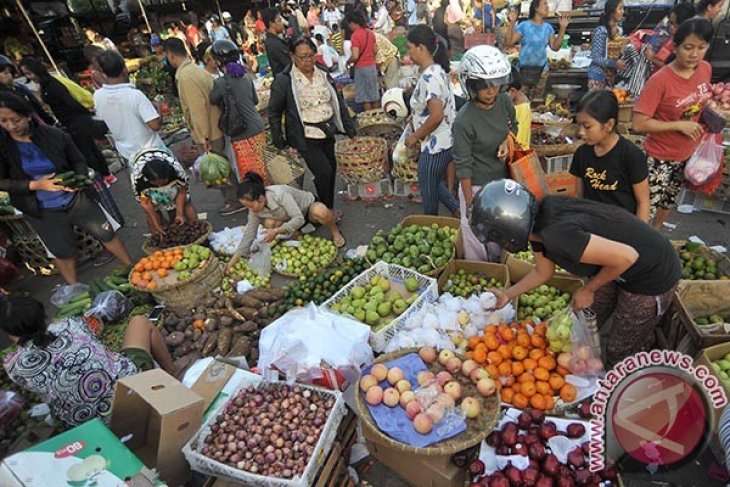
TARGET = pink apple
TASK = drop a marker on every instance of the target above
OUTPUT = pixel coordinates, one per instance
(453, 365)
(395, 375)
(443, 377)
(425, 377)
(445, 355)
(427, 354)
(486, 387)
(379, 371)
(564, 360)
(374, 395)
(468, 367)
(453, 389)
(412, 409)
(406, 397)
(367, 381)
(479, 374)
(423, 423)
(390, 397)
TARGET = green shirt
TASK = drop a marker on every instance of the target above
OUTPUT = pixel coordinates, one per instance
(477, 135)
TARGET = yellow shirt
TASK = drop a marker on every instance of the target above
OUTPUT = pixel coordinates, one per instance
(524, 119)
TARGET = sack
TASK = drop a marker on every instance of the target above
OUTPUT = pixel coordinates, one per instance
(110, 306)
(260, 260)
(232, 121)
(78, 93)
(525, 168)
(705, 161)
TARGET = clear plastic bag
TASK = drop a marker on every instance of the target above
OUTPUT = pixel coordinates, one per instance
(110, 306)
(440, 407)
(11, 405)
(66, 293)
(586, 358)
(705, 161)
(260, 260)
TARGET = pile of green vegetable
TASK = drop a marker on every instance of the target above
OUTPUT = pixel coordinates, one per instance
(542, 302)
(70, 179)
(318, 288)
(698, 263)
(464, 284)
(711, 320)
(416, 247)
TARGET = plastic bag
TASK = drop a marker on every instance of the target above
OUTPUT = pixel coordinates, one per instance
(110, 306)
(214, 169)
(66, 293)
(260, 260)
(705, 161)
(586, 358)
(11, 405)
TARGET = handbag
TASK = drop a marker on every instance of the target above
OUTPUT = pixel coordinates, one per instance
(525, 168)
(232, 121)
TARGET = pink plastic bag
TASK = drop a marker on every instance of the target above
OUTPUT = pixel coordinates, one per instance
(705, 162)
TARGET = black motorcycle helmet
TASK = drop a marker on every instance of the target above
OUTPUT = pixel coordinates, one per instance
(504, 212)
(225, 51)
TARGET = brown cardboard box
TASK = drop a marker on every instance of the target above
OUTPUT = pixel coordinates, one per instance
(417, 470)
(212, 381)
(497, 271)
(519, 268)
(161, 415)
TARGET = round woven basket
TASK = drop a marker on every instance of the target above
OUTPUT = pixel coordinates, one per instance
(554, 150)
(477, 429)
(283, 169)
(375, 123)
(148, 249)
(362, 159)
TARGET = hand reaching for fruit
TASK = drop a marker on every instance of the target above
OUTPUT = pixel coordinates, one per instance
(502, 298)
(583, 298)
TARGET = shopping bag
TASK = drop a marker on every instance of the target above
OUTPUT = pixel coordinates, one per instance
(525, 168)
(84, 97)
(473, 248)
(260, 260)
(705, 161)
(586, 354)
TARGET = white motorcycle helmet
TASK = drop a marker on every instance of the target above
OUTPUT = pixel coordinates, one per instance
(485, 63)
(394, 104)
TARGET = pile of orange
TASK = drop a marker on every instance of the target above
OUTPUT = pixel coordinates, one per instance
(524, 368)
(157, 265)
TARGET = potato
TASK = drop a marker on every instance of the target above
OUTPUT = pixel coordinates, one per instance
(267, 295)
(247, 301)
(241, 347)
(211, 344)
(249, 326)
(183, 349)
(200, 343)
(175, 339)
(224, 341)
(225, 321)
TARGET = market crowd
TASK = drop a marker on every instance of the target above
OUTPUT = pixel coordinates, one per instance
(464, 112)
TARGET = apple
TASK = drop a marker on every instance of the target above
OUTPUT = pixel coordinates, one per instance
(594, 365)
(479, 374)
(436, 412)
(486, 387)
(445, 355)
(453, 389)
(471, 407)
(379, 371)
(406, 397)
(403, 385)
(391, 397)
(425, 377)
(579, 366)
(584, 352)
(412, 409)
(453, 365)
(395, 375)
(422, 423)
(443, 377)
(427, 354)
(367, 381)
(468, 366)
(374, 395)
(564, 360)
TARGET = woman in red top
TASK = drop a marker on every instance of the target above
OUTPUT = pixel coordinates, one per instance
(364, 47)
(668, 110)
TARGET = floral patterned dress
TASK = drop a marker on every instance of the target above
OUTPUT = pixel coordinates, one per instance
(75, 374)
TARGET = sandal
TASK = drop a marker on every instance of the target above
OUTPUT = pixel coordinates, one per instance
(341, 242)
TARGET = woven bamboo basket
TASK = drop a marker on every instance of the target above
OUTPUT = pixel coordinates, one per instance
(35, 254)
(375, 123)
(555, 149)
(362, 159)
(283, 169)
(477, 429)
(148, 249)
(407, 171)
(188, 293)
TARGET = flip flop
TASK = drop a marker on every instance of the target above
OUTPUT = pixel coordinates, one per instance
(342, 243)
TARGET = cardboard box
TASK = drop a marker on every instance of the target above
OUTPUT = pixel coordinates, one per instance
(563, 184)
(90, 452)
(160, 415)
(706, 357)
(488, 269)
(443, 221)
(519, 268)
(417, 470)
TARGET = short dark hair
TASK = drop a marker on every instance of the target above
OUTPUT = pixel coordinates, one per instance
(252, 187)
(25, 318)
(683, 11)
(318, 37)
(112, 63)
(186, 19)
(703, 5)
(356, 17)
(16, 103)
(92, 51)
(268, 15)
(516, 79)
(533, 8)
(175, 46)
(601, 105)
(302, 39)
(698, 26)
(36, 67)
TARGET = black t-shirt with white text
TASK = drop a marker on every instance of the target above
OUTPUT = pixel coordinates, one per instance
(565, 238)
(610, 178)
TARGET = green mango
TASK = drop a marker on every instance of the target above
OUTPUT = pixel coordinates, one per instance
(411, 284)
(372, 317)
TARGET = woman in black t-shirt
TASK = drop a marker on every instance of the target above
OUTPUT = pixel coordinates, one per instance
(609, 168)
(629, 267)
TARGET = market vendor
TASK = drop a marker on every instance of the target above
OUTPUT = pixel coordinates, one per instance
(67, 365)
(161, 185)
(630, 269)
(535, 35)
(31, 158)
(607, 30)
(282, 210)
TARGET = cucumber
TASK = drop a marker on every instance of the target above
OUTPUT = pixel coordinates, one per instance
(104, 285)
(66, 175)
(109, 283)
(79, 297)
(118, 280)
(125, 288)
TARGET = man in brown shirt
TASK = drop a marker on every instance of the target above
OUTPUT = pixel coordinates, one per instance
(194, 85)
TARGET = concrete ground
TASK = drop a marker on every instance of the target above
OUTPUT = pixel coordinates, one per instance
(360, 221)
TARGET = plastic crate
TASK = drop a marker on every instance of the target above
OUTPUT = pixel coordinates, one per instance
(557, 164)
(206, 465)
(395, 273)
(378, 189)
(704, 202)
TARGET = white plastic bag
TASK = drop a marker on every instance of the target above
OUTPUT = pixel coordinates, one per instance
(110, 306)
(260, 260)
(66, 293)
(705, 161)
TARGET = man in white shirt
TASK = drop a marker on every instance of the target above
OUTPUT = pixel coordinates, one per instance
(130, 116)
(331, 15)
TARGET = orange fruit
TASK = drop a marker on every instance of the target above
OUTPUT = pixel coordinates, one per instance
(541, 373)
(494, 358)
(151, 285)
(504, 369)
(568, 393)
(537, 341)
(536, 353)
(474, 341)
(469, 354)
(136, 276)
(562, 371)
(493, 371)
(538, 401)
(505, 350)
(162, 272)
(139, 267)
(480, 356)
(506, 333)
(523, 339)
(540, 330)
(507, 394)
(556, 381)
(549, 402)
(490, 329)
(517, 368)
(519, 401)
(519, 352)
(543, 387)
(491, 341)
(516, 387)
(547, 362)
(529, 364)
(147, 276)
(528, 389)
(148, 266)
(526, 378)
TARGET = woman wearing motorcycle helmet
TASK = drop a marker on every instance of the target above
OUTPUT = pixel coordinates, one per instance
(629, 268)
(8, 71)
(240, 121)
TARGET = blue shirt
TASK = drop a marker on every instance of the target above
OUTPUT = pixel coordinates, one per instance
(599, 55)
(534, 43)
(36, 165)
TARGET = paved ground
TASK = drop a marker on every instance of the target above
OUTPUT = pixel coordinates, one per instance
(361, 220)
